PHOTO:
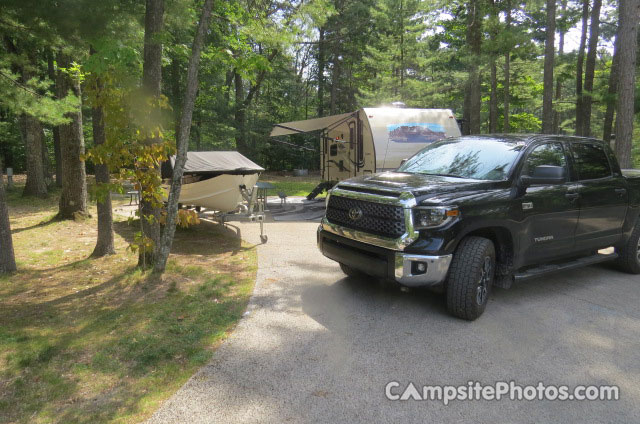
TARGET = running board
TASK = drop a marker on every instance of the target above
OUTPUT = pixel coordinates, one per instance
(551, 268)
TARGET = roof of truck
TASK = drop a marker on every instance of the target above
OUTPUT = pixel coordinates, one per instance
(530, 138)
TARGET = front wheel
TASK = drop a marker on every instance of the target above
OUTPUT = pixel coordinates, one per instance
(471, 277)
(350, 272)
(629, 253)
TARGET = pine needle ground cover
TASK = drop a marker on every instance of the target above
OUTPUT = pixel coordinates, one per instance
(97, 340)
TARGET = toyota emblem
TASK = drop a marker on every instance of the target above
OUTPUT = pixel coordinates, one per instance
(355, 214)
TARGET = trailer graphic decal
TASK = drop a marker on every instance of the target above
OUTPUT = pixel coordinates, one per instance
(415, 132)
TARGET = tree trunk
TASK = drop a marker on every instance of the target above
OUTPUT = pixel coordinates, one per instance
(36, 185)
(579, 67)
(33, 143)
(493, 99)
(55, 130)
(73, 199)
(549, 58)
(590, 68)
(474, 40)
(46, 162)
(321, 64)
(493, 96)
(402, 64)
(243, 103)
(507, 76)
(240, 116)
(175, 93)
(629, 12)
(104, 244)
(7, 258)
(198, 135)
(58, 155)
(151, 84)
(182, 140)
(611, 93)
(558, 96)
(335, 78)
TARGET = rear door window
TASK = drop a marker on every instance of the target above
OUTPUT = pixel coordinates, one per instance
(591, 161)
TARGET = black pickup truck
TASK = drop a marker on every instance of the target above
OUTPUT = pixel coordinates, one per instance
(469, 213)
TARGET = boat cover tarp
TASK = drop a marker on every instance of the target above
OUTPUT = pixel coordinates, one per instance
(308, 125)
(216, 163)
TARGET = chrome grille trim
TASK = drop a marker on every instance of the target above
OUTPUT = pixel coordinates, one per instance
(406, 200)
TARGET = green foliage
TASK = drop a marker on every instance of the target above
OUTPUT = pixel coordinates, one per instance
(33, 97)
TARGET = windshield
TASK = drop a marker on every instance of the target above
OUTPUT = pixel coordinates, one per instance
(478, 158)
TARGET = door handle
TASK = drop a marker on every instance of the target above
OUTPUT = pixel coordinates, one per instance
(572, 196)
(621, 191)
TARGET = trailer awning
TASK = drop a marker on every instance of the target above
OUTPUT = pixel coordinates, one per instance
(308, 125)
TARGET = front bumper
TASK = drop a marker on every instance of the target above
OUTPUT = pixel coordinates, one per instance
(411, 270)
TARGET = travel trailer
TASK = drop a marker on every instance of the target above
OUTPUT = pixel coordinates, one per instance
(371, 140)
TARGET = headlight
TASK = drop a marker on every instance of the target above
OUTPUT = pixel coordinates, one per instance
(326, 200)
(434, 216)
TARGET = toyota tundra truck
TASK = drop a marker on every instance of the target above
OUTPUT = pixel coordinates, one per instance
(470, 213)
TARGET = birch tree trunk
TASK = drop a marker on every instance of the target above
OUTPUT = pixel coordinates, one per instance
(182, 141)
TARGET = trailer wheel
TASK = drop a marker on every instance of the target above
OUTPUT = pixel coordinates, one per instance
(471, 277)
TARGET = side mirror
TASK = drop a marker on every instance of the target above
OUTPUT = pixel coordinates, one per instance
(403, 161)
(545, 174)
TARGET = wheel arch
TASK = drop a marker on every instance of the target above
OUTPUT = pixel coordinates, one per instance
(503, 242)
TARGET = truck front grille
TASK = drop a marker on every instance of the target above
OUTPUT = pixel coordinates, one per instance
(375, 218)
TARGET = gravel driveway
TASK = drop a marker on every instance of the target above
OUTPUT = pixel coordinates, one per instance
(317, 347)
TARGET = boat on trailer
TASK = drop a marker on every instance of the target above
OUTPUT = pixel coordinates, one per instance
(223, 182)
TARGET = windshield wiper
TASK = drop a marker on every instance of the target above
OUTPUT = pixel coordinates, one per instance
(444, 175)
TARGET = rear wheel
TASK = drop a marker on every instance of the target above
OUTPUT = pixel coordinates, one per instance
(471, 277)
(350, 272)
(629, 253)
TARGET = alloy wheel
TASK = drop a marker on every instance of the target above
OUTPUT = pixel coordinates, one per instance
(485, 279)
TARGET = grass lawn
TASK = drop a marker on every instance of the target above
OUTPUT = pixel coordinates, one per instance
(292, 186)
(97, 340)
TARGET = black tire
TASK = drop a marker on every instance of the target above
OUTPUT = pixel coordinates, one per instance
(629, 253)
(470, 278)
(350, 272)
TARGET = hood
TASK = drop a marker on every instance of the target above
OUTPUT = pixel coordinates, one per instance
(429, 188)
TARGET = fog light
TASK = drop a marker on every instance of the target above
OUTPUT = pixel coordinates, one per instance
(418, 268)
